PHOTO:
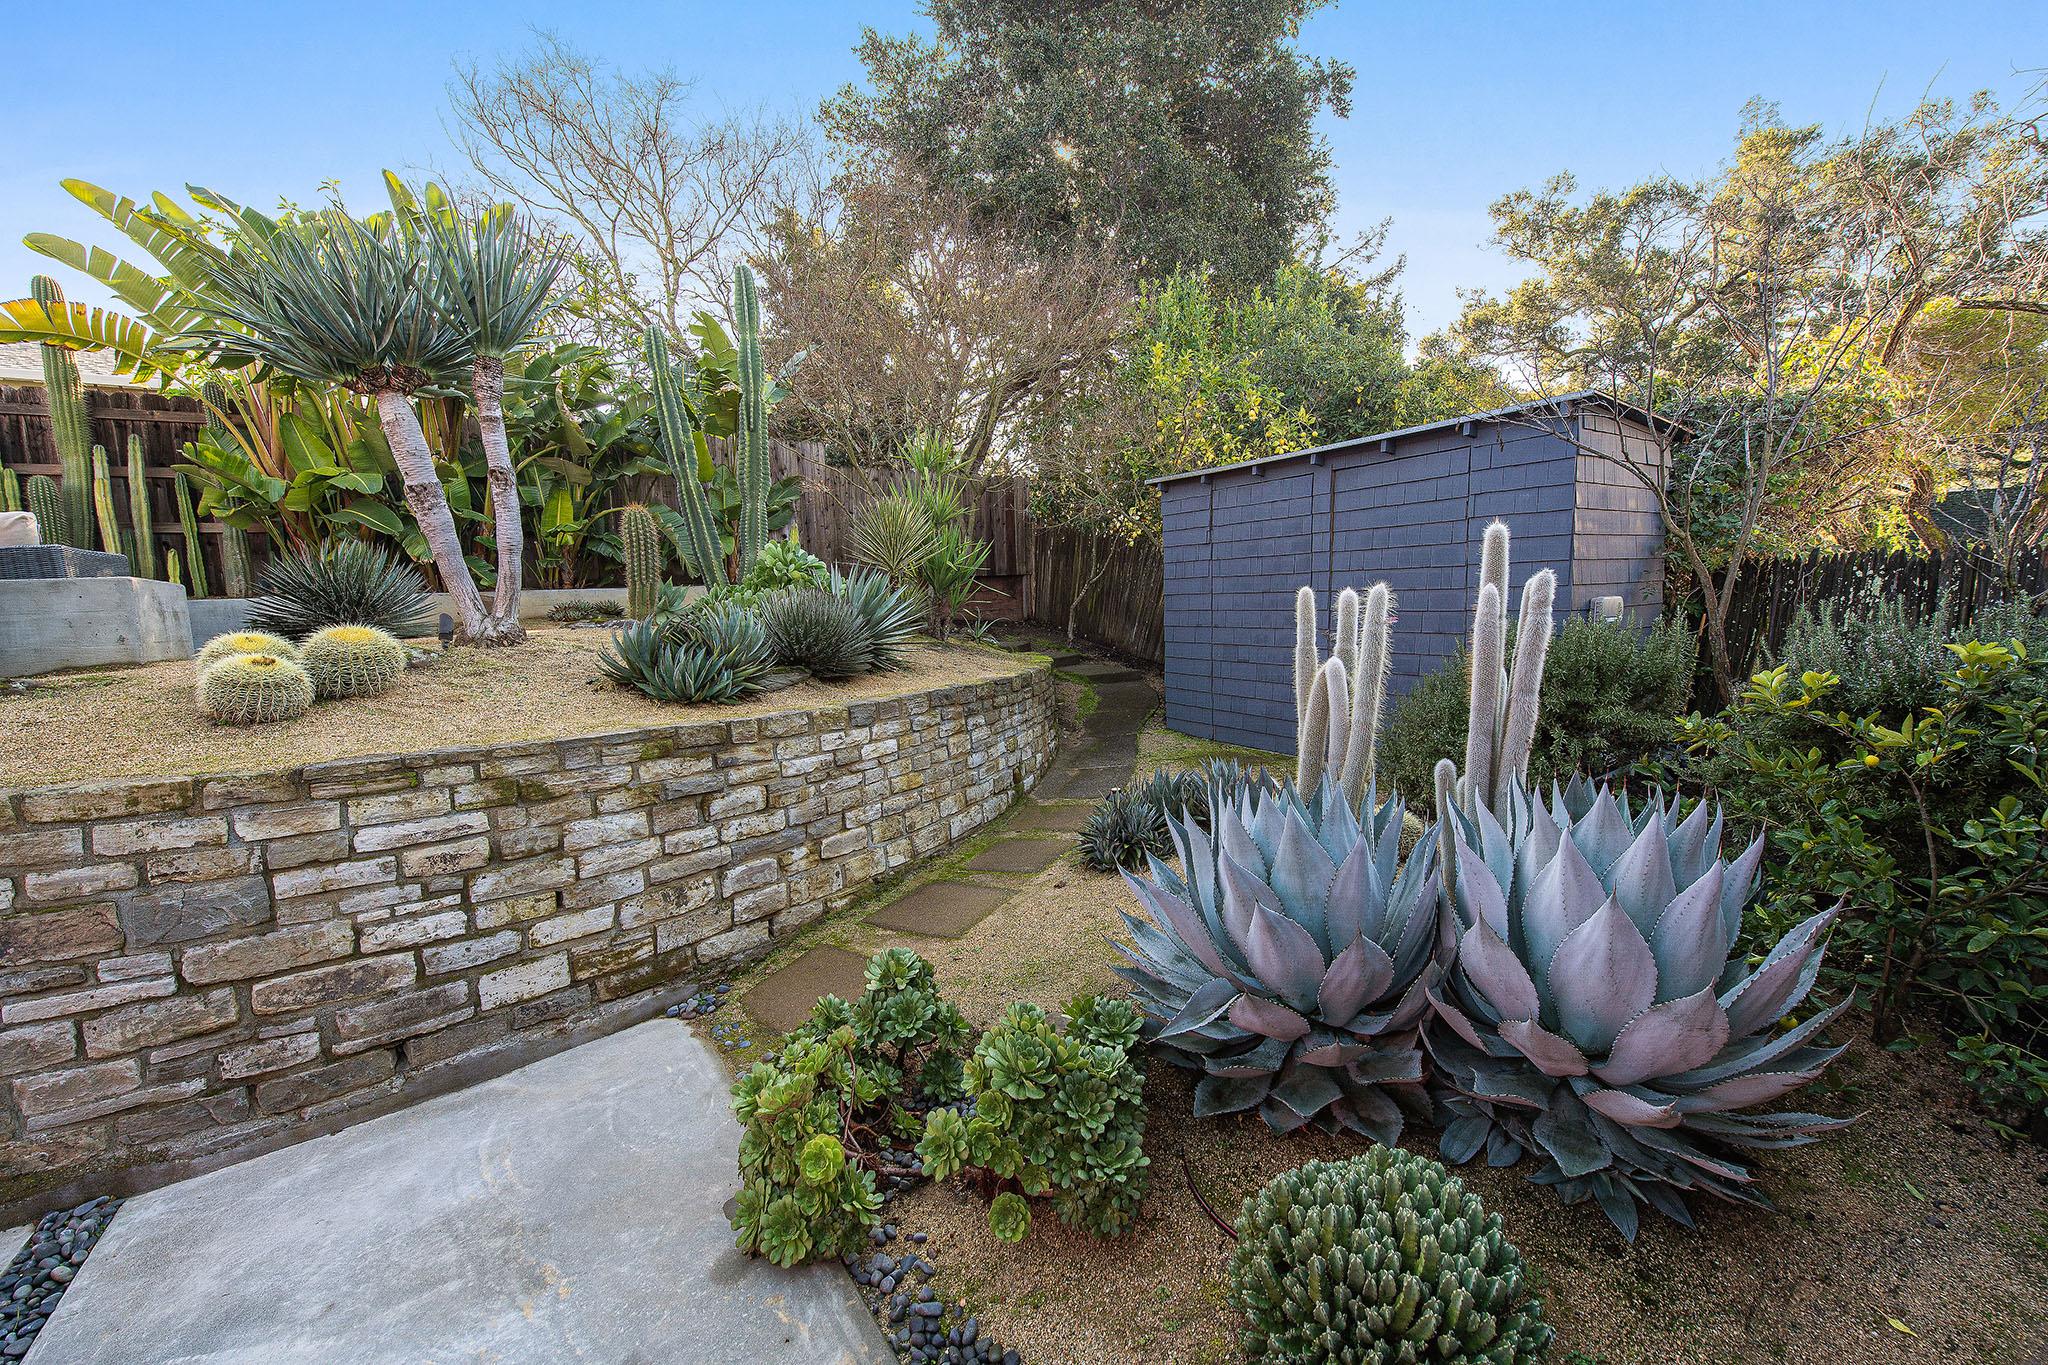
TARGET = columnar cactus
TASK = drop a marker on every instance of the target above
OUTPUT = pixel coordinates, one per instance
(1338, 700)
(254, 689)
(10, 491)
(352, 661)
(103, 505)
(236, 576)
(70, 425)
(1500, 728)
(188, 521)
(46, 504)
(752, 454)
(1384, 1259)
(139, 519)
(640, 542)
(244, 642)
(699, 540)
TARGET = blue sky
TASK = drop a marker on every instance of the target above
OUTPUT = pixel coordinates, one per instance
(1456, 104)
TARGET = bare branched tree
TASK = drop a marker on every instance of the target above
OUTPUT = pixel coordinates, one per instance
(659, 201)
(915, 315)
(1760, 312)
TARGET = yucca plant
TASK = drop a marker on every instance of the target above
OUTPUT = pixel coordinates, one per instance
(329, 299)
(493, 276)
(889, 612)
(1592, 1017)
(346, 583)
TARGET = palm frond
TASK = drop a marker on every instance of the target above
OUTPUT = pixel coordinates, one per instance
(79, 328)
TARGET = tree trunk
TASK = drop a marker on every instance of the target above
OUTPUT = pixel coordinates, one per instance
(487, 381)
(1096, 565)
(429, 504)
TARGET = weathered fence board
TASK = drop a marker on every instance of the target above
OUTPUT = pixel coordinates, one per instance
(1769, 593)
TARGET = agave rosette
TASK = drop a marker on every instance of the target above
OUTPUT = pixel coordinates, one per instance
(1289, 961)
(1591, 1017)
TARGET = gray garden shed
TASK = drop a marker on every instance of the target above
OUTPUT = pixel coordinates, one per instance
(1409, 507)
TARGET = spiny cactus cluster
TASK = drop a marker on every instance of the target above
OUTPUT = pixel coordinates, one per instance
(71, 429)
(102, 492)
(254, 689)
(1383, 1259)
(640, 544)
(188, 522)
(244, 642)
(46, 505)
(352, 661)
(1337, 702)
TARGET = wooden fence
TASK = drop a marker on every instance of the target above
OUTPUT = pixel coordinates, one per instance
(163, 423)
(1033, 574)
(1770, 592)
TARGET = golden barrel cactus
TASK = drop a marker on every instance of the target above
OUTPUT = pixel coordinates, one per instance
(353, 661)
(244, 642)
(254, 689)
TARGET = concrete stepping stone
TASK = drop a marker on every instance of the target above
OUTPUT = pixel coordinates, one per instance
(569, 1210)
(940, 909)
(1038, 815)
(1102, 670)
(1086, 784)
(783, 998)
(1065, 662)
(1019, 855)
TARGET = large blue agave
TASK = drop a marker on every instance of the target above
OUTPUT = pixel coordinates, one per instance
(1592, 1017)
(1290, 964)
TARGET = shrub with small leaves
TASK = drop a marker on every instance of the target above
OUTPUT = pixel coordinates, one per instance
(807, 1188)
(352, 661)
(254, 689)
(785, 564)
(1055, 1114)
(1382, 1259)
(244, 642)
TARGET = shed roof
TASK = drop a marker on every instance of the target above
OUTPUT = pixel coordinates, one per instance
(1563, 401)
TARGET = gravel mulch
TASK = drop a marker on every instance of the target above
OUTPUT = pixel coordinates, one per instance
(141, 721)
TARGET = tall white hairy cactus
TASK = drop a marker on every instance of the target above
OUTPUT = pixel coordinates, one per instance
(1338, 700)
(1500, 727)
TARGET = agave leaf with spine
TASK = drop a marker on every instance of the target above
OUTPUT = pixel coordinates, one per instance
(1590, 1015)
(1290, 963)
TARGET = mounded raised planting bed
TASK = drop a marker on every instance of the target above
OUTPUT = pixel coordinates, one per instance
(196, 963)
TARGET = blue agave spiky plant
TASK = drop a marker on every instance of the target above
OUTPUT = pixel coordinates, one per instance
(1591, 1016)
(1289, 965)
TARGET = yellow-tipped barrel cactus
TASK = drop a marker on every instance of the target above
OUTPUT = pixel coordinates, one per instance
(1383, 1259)
(1592, 1017)
(244, 642)
(353, 661)
(254, 689)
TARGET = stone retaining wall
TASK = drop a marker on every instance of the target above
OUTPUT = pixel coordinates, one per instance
(195, 968)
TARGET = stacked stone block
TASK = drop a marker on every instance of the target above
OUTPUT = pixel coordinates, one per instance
(194, 967)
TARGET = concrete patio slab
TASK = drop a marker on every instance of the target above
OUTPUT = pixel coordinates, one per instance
(783, 998)
(1038, 815)
(569, 1210)
(940, 909)
(1018, 855)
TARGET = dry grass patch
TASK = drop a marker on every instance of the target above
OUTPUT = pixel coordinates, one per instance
(142, 721)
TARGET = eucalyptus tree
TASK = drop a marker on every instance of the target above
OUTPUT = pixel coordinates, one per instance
(492, 277)
(328, 299)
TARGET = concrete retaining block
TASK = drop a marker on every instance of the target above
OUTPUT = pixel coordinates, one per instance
(52, 623)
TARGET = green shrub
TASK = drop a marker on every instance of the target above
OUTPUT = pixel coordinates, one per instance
(346, 583)
(1053, 1114)
(1383, 1259)
(1929, 824)
(785, 564)
(819, 1115)
(1609, 694)
(811, 629)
